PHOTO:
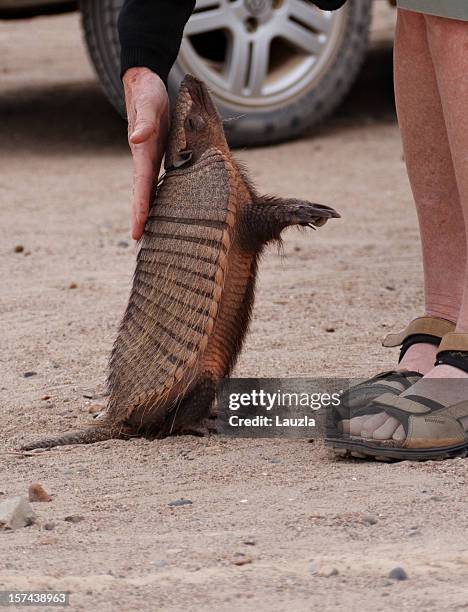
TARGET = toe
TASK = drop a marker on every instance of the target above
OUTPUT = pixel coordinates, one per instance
(399, 434)
(387, 429)
(355, 425)
(372, 423)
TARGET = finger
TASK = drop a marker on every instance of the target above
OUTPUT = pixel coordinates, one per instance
(142, 185)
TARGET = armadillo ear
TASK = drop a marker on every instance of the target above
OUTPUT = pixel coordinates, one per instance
(183, 158)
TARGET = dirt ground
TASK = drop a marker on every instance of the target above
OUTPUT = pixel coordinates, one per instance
(288, 509)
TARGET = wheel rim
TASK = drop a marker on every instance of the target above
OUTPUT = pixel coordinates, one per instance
(260, 53)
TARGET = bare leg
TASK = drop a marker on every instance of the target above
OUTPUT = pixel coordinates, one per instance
(432, 177)
(424, 102)
(448, 43)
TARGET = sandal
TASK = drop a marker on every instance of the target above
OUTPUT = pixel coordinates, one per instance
(432, 430)
(422, 329)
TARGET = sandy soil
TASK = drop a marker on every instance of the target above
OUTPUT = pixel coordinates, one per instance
(290, 507)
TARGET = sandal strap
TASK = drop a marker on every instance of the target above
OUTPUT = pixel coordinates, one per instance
(388, 401)
(433, 326)
(427, 425)
(453, 351)
(393, 382)
(404, 377)
(453, 342)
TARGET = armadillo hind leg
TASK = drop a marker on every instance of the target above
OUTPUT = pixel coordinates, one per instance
(193, 415)
(81, 436)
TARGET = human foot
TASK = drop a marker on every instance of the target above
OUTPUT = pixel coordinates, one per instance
(427, 421)
(442, 386)
(419, 357)
(419, 343)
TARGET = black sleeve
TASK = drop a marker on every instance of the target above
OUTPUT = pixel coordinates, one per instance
(329, 5)
(150, 33)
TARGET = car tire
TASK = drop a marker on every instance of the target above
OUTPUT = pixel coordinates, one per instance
(246, 126)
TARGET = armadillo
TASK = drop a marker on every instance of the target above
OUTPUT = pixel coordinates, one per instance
(193, 287)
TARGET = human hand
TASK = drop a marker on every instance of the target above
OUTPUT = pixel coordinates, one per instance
(148, 119)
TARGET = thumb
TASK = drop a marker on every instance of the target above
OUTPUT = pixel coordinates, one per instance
(145, 125)
(142, 131)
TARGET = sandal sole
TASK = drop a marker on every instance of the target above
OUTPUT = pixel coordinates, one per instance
(361, 450)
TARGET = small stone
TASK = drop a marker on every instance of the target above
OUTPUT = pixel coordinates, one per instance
(249, 542)
(45, 397)
(327, 571)
(330, 330)
(369, 519)
(313, 568)
(37, 493)
(16, 512)
(159, 563)
(49, 541)
(95, 408)
(281, 302)
(74, 518)
(88, 395)
(398, 573)
(19, 248)
(180, 502)
(390, 288)
(29, 374)
(72, 285)
(68, 414)
(123, 244)
(241, 559)
(49, 526)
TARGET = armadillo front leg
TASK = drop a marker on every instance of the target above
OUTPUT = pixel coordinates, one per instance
(265, 218)
(194, 413)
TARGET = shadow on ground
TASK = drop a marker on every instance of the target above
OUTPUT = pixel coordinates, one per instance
(56, 118)
(76, 116)
(371, 98)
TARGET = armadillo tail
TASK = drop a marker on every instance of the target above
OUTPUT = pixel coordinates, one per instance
(81, 436)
